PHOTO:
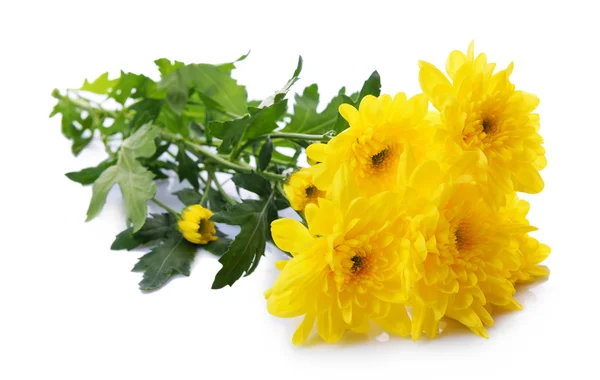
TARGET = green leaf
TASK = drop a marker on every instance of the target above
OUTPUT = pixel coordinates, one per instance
(372, 86)
(165, 66)
(306, 119)
(146, 111)
(102, 85)
(206, 79)
(187, 168)
(188, 197)
(174, 255)
(279, 95)
(87, 176)
(219, 246)
(133, 179)
(125, 240)
(253, 182)
(228, 67)
(216, 202)
(244, 253)
(266, 152)
(157, 227)
(259, 122)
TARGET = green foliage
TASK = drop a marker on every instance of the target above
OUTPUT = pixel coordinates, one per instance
(133, 179)
(265, 155)
(306, 119)
(254, 217)
(207, 80)
(87, 176)
(197, 118)
(171, 253)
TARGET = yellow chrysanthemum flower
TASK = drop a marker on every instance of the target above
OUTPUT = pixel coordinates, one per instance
(532, 252)
(195, 225)
(373, 143)
(346, 268)
(300, 189)
(484, 115)
(473, 254)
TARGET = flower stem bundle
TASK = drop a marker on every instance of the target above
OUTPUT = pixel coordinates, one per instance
(408, 213)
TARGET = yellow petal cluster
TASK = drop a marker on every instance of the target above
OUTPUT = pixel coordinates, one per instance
(415, 216)
(196, 226)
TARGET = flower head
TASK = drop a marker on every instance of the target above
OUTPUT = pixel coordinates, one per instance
(195, 225)
(473, 255)
(373, 143)
(483, 114)
(346, 268)
(300, 189)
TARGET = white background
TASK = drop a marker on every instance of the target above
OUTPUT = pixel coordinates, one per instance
(69, 306)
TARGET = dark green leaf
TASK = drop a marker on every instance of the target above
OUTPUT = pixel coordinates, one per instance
(188, 196)
(216, 202)
(125, 240)
(146, 111)
(266, 152)
(372, 86)
(174, 255)
(253, 182)
(187, 168)
(260, 122)
(157, 227)
(306, 119)
(218, 247)
(87, 176)
(244, 253)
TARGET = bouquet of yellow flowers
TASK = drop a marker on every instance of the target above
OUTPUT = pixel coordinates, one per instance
(407, 215)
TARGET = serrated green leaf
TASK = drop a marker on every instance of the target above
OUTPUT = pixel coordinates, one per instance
(188, 197)
(208, 80)
(266, 152)
(306, 119)
(146, 111)
(101, 85)
(87, 176)
(216, 202)
(228, 67)
(157, 227)
(174, 255)
(259, 122)
(279, 95)
(187, 168)
(245, 251)
(253, 182)
(218, 247)
(133, 179)
(166, 67)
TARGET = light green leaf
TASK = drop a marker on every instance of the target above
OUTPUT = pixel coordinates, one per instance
(102, 85)
(277, 96)
(133, 179)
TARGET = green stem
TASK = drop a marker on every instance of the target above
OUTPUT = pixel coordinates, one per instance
(165, 207)
(211, 174)
(206, 191)
(85, 104)
(298, 136)
(238, 167)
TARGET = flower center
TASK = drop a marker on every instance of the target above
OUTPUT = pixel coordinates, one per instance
(378, 160)
(202, 226)
(310, 191)
(357, 263)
